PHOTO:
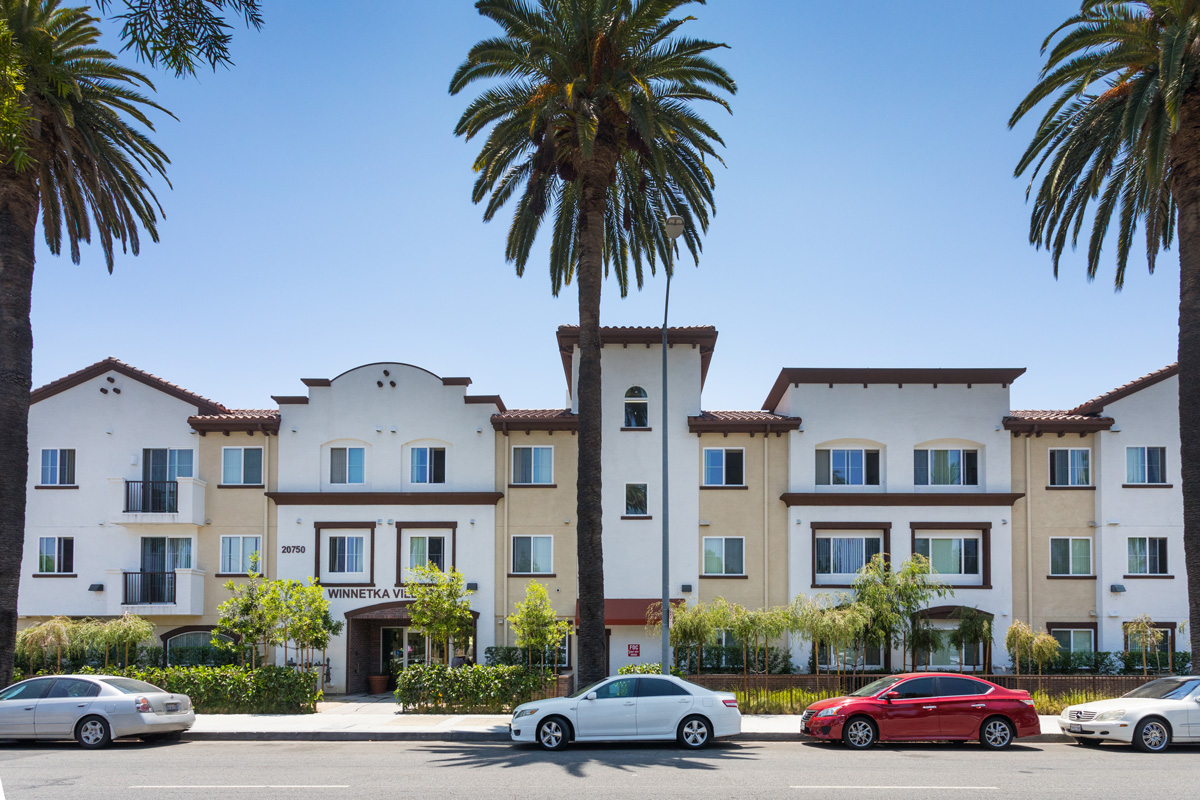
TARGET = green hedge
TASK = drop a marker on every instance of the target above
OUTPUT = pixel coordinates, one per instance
(470, 689)
(228, 690)
(648, 669)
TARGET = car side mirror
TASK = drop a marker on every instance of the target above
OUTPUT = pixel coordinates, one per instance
(890, 696)
(590, 696)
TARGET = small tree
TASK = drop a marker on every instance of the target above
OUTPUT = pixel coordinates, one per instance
(1142, 631)
(974, 632)
(924, 638)
(440, 608)
(916, 586)
(1043, 648)
(246, 615)
(129, 630)
(877, 588)
(536, 626)
(1017, 641)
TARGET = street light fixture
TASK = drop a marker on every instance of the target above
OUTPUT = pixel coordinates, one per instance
(674, 228)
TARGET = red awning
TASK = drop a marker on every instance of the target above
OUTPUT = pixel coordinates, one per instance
(627, 610)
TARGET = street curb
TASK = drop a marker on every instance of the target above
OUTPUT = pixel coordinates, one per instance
(480, 736)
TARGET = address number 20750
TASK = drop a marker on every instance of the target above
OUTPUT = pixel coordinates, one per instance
(292, 548)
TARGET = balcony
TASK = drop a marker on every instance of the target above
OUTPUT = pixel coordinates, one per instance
(177, 502)
(178, 592)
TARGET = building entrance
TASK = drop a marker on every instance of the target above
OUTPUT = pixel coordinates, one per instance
(401, 648)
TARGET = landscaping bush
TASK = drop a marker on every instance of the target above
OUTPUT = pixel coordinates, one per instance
(1055, 703)
(648, 669)
(780, 701)
(476, 689)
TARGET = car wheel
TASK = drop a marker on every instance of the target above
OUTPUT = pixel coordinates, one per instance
(694, 733)
(997, 733)
(860, 733)
(552, 733)
(93, 733)
(1152, 735)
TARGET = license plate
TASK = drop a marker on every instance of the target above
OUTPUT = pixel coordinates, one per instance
(1075, 729)
(172, 706)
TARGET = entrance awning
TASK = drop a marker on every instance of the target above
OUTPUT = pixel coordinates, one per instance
(628, 610)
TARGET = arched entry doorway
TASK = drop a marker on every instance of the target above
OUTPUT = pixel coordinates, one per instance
(375, 633)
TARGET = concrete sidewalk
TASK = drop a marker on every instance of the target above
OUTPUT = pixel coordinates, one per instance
(378, 718)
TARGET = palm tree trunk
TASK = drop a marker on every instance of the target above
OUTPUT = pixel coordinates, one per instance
(594, 179)
(18, 226)
(1185, 186)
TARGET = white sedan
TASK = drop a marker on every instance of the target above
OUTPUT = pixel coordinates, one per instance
(630, 708)
(1150, 717)
(92, 709)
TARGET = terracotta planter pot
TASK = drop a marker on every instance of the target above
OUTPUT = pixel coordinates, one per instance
(378, 683)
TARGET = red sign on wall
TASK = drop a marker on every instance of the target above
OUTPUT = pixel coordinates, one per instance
(635, 651)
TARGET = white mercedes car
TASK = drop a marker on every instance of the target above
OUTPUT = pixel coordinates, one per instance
(630, 708)
(1150, 717)
(92, 709)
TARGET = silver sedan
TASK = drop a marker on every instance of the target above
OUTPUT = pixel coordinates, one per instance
(92, 709)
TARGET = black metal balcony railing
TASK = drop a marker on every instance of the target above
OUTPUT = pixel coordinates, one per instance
(145, 588)
(151, 497)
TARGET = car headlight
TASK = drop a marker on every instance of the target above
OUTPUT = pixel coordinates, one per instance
(524, 712)
(1110, 716)
(829, 712)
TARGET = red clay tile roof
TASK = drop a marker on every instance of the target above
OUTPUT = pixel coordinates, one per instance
(238, 419)
(536, 419)
(203, 404)
(1043, 421)
(741, 421)
(702, 336)
(1096, 405)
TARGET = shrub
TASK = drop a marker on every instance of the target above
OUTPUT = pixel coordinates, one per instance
(472, 689)
(780, 701)
(1055, 703)
(648, 669)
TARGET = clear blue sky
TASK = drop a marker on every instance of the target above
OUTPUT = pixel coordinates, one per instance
(320, 216)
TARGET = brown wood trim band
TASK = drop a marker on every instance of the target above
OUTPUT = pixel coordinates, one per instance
(55, 575)
(1147, 577)
(290, 399)
(899, 499)
(58, 486)
(532, 575)
(240, 486)
(1079, 626)
(636, 516)
(485, 399)
(724, 577)
(1147, 486)
(386, 498)
(832, 586)
(357, 524)
(231, 575)
(533, 486)
(706, 487)
(638, 429)
(402, 525)
(1071, 577)
(1071, 488)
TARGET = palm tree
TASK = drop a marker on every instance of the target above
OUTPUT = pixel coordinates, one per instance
(85, 172)
(590, 121)
(1133, 144)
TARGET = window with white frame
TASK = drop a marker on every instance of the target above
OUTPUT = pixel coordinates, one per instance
(842, 555)
(724, 466)
(954, 555)
(847, 467)
(724, 555)
(58, 467)
(1070, 556)
(1145, 465)
(532, 465)
(179, 553)
(238, 554)
(427, 465)
(345, 554)
(347, 465)
(426, 549)
(637, 408)
(56, 555)
(1070, 466)
(636, 503)
(242, 466)
(853, 657)
(532, 555)
(946, 467)
(1147, 555)
(1075, 640)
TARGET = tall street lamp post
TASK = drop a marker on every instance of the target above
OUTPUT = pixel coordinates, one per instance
(674, 228)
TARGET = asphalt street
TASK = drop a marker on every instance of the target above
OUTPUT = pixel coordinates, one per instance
(361, 770)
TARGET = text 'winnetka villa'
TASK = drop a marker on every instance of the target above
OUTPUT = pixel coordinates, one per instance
(146, 497)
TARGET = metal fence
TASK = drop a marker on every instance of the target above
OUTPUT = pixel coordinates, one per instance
(151, 497)
(146, 588)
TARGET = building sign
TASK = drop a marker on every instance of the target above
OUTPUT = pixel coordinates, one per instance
(635, 651)
(398, 593)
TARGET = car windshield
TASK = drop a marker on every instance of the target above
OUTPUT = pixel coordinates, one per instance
(875, 687)
(130, 686)
(585, 690)
(1166, 689)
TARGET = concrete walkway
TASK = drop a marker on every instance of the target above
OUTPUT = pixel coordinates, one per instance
(378, 718)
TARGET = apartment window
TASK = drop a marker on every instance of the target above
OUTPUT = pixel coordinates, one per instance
(946, 467)
(637, 408)
(345, 553)
(428, 465)
(237, 554)
(347, 465)
(1145, 465)
(724, 555)
(166, 464)
(1070, 556)
(1070, 466)
(1147, 556)
(179, 553)
(426, 550)
(950, 555)
(853, 657)
(1162, 648)
(58, 468)
(1075, 640)
(846, 555)
(242, 466)
(56, 555)
(847, 467)
(728, 651)
(724, 466)
(533, 555)
(533, 465)
(635, 500)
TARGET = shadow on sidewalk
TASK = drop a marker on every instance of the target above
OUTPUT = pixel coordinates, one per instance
(576, 757)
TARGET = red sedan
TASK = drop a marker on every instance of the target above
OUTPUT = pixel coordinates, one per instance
(924, 707)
